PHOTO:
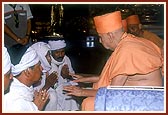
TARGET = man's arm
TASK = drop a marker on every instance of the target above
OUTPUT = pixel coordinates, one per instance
(89, 92)
(77, 91)
(28, 28)
(85, 78)
(27, 35)
(10, 33)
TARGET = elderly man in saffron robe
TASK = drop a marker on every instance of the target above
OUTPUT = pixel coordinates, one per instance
(134, 62)
(135, 27)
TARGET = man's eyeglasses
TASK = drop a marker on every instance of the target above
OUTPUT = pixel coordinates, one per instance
(16, 18)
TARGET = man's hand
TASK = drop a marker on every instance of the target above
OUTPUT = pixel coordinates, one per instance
(50, 80)
(73, 90)
(23, 41)
(40, 99)
(65, 71)
(77, 78)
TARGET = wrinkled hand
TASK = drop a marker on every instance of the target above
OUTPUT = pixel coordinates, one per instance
(50, 80)
(65, 71)
(40, 99)
(73, 90)
(78, 78)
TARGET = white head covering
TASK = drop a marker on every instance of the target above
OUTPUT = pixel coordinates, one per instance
(42, 48)
(6, 60)
(29, 59)
(55, 45)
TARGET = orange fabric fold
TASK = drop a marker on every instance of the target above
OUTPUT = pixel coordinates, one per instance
(88, 104)
(154, 38)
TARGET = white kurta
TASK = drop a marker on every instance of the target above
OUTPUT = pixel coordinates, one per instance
(19, 98)
(53, 100)
(65, 103)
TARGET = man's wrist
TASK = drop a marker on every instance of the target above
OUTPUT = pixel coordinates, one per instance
(18, 39)
(82, 92)
(46, 87)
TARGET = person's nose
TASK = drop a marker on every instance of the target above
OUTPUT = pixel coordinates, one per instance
(60, 54)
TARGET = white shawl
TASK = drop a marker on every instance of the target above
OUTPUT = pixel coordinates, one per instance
(42, 49)
(19, 98)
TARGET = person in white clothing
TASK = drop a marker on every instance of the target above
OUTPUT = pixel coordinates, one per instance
(6, 69)
(21, 96)
(43, 52)
(62, 65)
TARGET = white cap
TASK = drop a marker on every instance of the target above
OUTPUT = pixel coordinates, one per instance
(29, 59)
(55, 45)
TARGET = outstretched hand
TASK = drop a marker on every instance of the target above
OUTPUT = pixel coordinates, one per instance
(73, 90)
(78, 78)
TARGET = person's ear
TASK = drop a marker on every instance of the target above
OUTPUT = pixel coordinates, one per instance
(27, 72)
(110, 36)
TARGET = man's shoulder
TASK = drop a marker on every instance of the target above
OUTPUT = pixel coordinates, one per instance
(132, 44)
(147, 33)
(128, 42)
(67, 57)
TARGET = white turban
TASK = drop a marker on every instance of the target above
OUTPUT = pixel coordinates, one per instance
(42, 49)
(29, 59)
(55, 45)
(7, 61)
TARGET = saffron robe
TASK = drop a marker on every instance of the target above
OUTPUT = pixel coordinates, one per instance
(132, 56)
(154, 38)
